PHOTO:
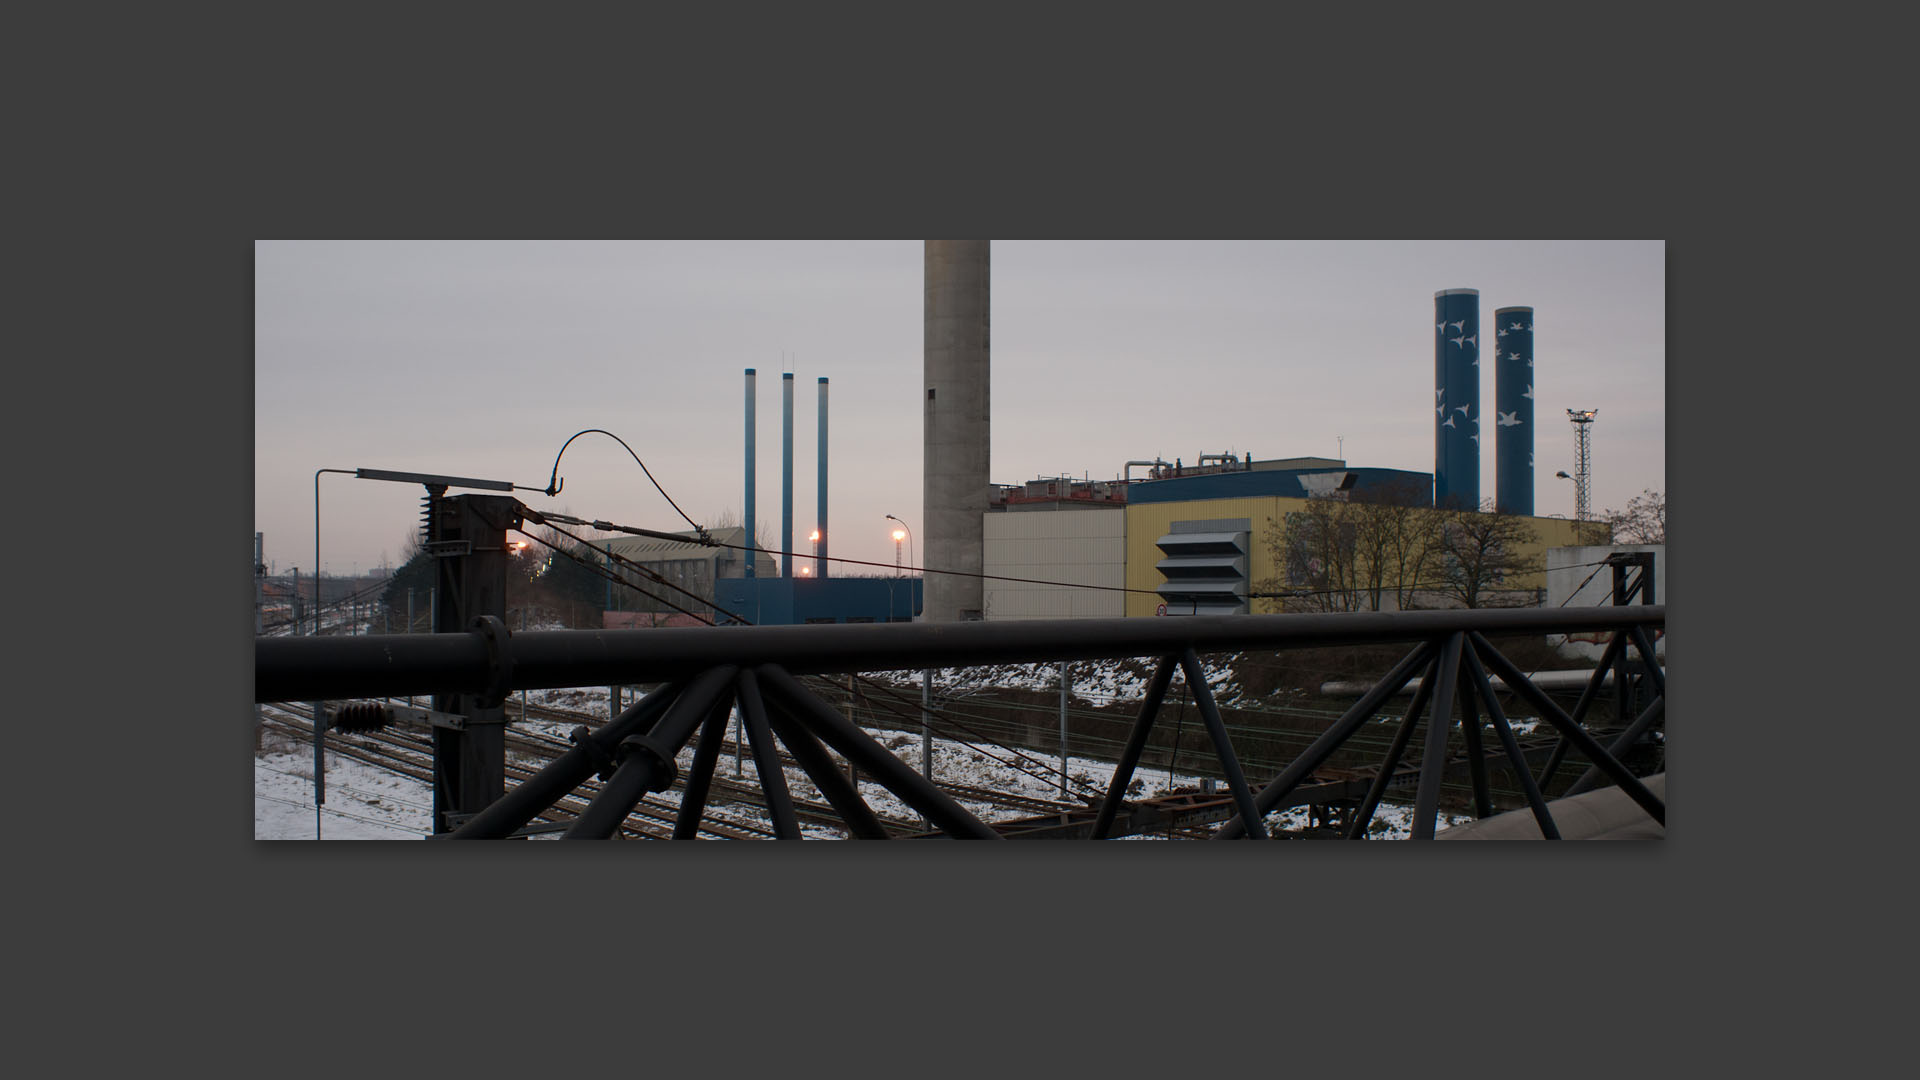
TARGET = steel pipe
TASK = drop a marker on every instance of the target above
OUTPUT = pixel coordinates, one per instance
(766, 758)
(563, 774)
(693, 800)
(1634, 731)
(1426, 801)
(1378, 789)
(1136, 743)
(1587, 697)
(860, 819)
(1217, 731)
(640, 771)
(1317, 753)
(1512, 746)
(857, 746)
(395, 665)
(1582, 741)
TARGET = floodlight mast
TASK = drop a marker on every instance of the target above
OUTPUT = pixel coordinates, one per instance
(1582, 420)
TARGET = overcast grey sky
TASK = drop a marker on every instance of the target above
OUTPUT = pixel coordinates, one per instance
(480, 358)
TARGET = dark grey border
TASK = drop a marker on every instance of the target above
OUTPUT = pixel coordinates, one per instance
(925, 938)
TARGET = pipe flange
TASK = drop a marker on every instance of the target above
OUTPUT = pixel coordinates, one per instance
(602, 761)
(665, 772)
(499, 660)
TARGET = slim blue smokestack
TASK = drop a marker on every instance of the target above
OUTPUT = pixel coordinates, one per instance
(1456, 389)
(751, 553)
(1513, 408)
(820, 564)
(786, 473)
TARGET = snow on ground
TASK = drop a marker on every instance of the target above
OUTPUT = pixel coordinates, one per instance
(367, 803)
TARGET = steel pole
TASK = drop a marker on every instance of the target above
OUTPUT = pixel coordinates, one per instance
(1063, 729)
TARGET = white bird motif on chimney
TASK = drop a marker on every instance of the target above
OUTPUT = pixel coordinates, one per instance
(1456, 340)
(1459, 325)
(1529, 394)
(1449, 423)
(1510, 419)
(1513, 356)
(1462, 409)
(1475, 339)
(1515, 326)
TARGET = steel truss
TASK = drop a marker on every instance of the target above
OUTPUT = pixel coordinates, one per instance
(703, 673)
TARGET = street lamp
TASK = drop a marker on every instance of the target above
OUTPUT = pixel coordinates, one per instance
(815, 537)
(898, 535)
(896, 538)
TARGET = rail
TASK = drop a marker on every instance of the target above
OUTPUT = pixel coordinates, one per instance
(704, 672)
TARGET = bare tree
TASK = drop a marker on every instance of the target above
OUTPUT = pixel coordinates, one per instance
(1481, 551)
(1644, 521)
(1348, 554)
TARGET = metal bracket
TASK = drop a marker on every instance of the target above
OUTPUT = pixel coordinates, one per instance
(443, 549)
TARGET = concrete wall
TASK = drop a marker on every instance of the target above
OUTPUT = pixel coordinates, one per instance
(1081, 547)
(957, 436)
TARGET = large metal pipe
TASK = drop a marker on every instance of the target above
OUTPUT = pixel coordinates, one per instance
(1456, 385)
(957, 430)
(379, 665)
(786, 473)
(752, 548)
(820, 554)
(1513, 409)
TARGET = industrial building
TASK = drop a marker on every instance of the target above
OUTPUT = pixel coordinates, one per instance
(1178, 539)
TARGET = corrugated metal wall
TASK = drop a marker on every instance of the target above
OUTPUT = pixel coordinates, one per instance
(1078, 547)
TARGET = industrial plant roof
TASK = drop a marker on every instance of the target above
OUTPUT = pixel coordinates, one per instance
(632, 546)
(1258, 482)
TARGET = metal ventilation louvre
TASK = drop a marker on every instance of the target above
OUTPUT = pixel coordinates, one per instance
(1205, 567)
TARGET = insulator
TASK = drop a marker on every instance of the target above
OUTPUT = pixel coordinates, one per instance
(362, 717)
(428, 504)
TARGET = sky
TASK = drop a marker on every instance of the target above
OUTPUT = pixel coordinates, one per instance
(480, 358)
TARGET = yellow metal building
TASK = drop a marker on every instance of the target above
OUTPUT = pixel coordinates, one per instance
(1146, 523)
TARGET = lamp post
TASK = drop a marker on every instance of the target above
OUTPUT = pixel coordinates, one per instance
(896, 538)
(898, 535)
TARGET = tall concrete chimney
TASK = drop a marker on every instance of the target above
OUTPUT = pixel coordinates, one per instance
(786, 473)
(751, 552)
(1513, 406)
(957, 429)
(820, 562)
(1456, 384)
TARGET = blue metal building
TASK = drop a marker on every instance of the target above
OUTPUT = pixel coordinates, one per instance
(770, 601)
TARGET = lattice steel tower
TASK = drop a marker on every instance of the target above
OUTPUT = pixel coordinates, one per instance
(1582, 460)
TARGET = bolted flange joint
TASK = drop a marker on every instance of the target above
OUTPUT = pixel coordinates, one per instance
(602, 761)
(499, 659)
(665, 772)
